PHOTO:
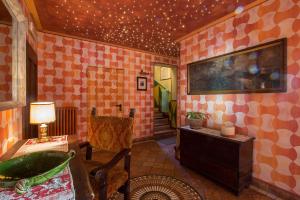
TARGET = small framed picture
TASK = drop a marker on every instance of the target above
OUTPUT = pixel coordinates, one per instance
(141, 83)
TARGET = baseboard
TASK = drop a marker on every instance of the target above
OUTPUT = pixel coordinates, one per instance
(274, 190)
(143, 139)
(162, 136)
(154, 137)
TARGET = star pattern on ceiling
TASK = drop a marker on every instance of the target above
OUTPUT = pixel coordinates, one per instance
(150, 25)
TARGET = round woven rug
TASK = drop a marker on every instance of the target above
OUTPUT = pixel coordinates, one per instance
(157, 187)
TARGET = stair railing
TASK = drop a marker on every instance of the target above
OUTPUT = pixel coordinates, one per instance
(172, 104)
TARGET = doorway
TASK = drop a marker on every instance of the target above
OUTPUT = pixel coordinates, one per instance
(30, 131)
(106, 91)
(165, 100)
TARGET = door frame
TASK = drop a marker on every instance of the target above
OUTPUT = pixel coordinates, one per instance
(152, 89)
(28, 130)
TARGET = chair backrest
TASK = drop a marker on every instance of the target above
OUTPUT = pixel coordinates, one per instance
(110, 133)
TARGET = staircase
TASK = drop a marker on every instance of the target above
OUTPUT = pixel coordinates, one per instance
(162, 126)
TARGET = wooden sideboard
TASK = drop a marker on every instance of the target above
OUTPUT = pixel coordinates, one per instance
(227, 161)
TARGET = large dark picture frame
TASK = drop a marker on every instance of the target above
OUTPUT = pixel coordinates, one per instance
(258, 69)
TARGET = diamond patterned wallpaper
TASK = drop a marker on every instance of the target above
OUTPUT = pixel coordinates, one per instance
(274, 119)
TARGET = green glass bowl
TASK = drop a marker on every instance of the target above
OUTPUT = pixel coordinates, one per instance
(32, 169)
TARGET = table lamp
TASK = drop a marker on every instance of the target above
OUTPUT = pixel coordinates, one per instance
(42, 113)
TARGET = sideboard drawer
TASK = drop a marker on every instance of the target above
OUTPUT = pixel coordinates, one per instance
(210, 169)
(216, 150)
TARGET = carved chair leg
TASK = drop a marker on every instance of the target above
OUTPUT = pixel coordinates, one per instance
(89, 151)
(103, 187)
(127, 190)
(127, 164)
(127, 183)
(103, 193)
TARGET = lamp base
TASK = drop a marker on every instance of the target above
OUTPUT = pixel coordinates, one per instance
(43, 133)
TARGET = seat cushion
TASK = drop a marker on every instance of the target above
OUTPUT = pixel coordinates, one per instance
(105, 157)
(117, 176)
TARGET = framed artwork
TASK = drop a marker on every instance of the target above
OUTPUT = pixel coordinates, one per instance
(258, 69)
(165, 73)
(141, 83)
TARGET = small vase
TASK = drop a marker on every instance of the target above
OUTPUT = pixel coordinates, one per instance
(196, 123)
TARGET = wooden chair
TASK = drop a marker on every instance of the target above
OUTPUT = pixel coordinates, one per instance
(109, 163)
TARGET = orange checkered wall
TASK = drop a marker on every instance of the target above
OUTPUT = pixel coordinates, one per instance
(106, 90)
(10, 128)
(11, 120)
(5, 63)
(274, 119)
(62, 76)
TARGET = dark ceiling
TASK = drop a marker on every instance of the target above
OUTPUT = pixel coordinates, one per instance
(150, 25)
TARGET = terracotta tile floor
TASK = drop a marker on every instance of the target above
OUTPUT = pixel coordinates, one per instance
(155, 157)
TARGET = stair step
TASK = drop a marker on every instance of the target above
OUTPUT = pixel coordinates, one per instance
(162, 121)
(161, 127)
(160, 118)
(158, 115)
(156, 110)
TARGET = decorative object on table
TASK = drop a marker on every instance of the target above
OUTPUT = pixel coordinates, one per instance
(112, 137)
(59, 187)
(159, 187)
(228, 130)
(196, 119)
(54, 143)
(42, 113)
(141, 83)
(32, 169)
(165, 73)
(256, 69)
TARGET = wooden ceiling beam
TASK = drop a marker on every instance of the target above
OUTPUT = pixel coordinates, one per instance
(33, 11)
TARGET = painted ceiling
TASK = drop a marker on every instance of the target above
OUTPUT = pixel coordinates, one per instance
(150, 25)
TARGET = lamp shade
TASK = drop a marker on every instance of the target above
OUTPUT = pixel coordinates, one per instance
(42, 112)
